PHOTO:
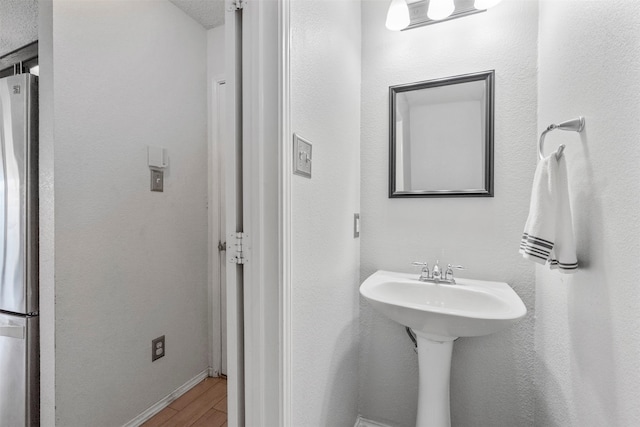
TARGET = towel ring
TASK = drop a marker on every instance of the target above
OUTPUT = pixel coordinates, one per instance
(575, 125)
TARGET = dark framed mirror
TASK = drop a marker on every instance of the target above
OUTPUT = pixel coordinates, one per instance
(441, 137)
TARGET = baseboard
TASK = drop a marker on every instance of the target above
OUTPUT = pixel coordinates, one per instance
(166, 401)
(363, 422)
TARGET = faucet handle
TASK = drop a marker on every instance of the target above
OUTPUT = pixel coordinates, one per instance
(449, 273)
(425, 269)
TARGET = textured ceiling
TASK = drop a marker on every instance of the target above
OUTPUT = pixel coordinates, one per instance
(209, 13)
(18, 24)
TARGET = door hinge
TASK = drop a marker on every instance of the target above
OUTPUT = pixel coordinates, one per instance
(239, 251)
(233, 5)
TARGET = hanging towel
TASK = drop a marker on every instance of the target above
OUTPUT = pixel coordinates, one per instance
(548, 233)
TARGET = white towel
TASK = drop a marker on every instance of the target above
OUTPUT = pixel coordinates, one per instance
(548, 234)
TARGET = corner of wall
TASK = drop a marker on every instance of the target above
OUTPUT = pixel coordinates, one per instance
(47, 225)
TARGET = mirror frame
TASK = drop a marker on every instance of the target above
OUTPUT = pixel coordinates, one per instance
(486, 76)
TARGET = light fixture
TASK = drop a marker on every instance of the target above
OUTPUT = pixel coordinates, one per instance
(441, 9)
(409, 14)
(398, 15)
(35, 70)
(485, 4)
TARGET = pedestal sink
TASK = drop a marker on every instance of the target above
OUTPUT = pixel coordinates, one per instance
(438, 314)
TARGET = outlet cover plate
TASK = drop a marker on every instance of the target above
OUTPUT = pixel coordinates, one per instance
(157, 180)
(301, 156)
(157, 348)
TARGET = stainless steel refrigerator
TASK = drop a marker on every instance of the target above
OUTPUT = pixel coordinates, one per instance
(19, 322)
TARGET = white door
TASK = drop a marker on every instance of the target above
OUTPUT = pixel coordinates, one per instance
(233, 217)
(252, 175)
(218, 229)
(222, 280)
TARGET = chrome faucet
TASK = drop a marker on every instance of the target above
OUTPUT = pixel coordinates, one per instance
(436, 276)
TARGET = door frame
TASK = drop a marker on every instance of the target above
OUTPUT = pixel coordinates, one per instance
(264, 150)
(285, 168)
(234, 117)
(259, 352)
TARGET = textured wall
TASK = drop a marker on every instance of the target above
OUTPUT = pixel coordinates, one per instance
(130, 264)
(215, 53)
(325, 109)
(47, 214)
(587, 341)
(492, 377)
(18, 24)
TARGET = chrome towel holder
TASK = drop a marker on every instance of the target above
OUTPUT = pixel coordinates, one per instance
(575, 125)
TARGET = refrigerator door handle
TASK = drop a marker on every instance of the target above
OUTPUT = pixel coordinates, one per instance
(12, 331)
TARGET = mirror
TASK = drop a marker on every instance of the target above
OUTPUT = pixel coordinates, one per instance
(441, 137)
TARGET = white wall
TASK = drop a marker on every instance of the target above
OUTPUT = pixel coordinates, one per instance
(325, 109)
(47, 214)
(18, 24)
(586, 341)
(130, 265)
(215, 52)
(492, 376)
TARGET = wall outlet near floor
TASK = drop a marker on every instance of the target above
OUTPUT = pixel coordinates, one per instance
(157, 348)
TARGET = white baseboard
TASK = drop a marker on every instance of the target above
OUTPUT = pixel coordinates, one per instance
(363, 422)
(166, 401)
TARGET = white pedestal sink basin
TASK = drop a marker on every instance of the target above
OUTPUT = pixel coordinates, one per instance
(438, 314)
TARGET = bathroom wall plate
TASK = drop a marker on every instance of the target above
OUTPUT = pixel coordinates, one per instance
(157, 180)
(301, 156)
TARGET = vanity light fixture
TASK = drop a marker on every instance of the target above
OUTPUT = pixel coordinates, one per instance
(440, 9)
(408, 14)
(485, 4)
(398, 15)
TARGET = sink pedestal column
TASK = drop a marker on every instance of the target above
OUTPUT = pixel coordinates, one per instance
(434, 363)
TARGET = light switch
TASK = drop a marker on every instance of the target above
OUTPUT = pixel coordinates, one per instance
(301, 156)
(157, 180)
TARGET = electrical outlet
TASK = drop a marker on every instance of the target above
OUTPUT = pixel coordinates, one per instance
(157, 348)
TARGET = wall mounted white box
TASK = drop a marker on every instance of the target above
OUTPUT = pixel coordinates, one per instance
(157, 157)
(157, 160)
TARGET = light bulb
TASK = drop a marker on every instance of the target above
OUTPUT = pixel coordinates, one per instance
(398, 15)
(440, 9)
(485, 4)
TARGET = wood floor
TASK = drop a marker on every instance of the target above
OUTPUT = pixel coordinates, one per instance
(205, 405)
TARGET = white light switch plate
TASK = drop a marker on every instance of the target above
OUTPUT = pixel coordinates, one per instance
(301, 156)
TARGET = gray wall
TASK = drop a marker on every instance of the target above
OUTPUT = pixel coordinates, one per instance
(18, 24)
(130, 265)
(492, 376)
(586, 341)
(325, 109)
